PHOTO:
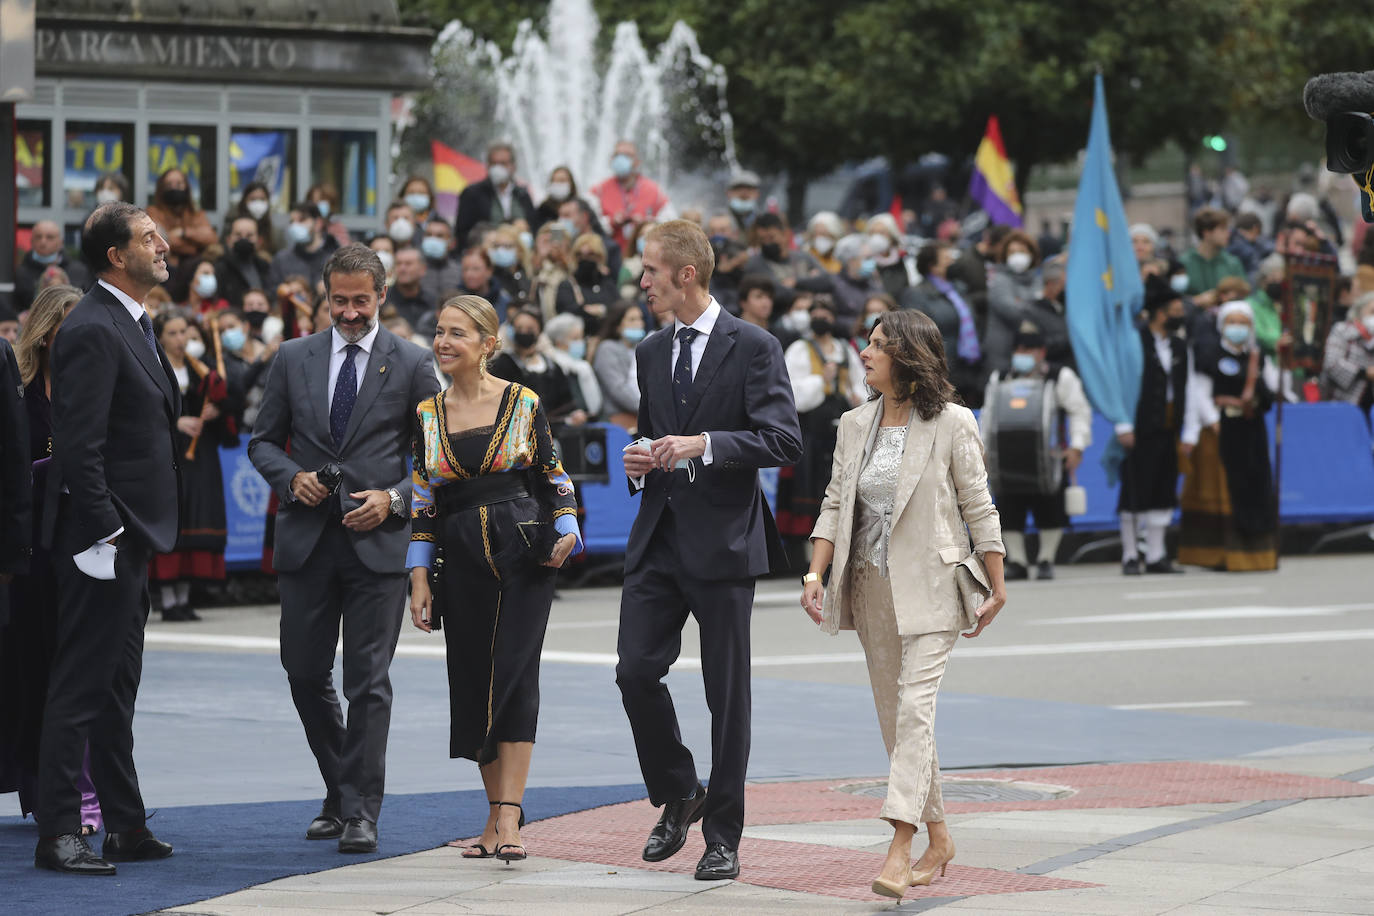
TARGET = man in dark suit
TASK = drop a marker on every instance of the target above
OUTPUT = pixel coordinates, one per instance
(16, 478)
(495, 199)
(344, 397)
(713, 392)
(114, 408)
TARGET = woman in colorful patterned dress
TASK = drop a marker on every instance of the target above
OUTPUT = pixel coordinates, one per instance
(493, 513)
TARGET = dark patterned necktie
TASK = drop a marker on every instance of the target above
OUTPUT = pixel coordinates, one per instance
(682, 372)
(147, 326)
(345, 396)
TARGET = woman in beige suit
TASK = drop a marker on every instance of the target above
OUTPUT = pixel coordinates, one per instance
(907, 491)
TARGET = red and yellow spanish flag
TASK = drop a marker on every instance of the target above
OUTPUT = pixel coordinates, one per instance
(993, 185)
(452, 173)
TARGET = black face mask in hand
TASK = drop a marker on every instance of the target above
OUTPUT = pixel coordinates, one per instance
(588, 272)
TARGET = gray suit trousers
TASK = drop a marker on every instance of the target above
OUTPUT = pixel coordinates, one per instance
(331, 587)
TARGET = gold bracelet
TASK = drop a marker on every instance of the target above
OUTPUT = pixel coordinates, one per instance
(810, 577)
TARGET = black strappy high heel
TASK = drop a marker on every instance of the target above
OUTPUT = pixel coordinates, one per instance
(482, 852)
(512, 852)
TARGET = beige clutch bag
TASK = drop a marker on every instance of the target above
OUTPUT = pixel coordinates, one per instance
(971, 580)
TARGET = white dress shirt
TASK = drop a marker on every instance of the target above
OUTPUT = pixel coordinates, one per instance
(704, 325)
(337, 352)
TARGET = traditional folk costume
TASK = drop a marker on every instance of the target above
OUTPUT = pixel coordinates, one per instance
(491, 502)
(1229, 514)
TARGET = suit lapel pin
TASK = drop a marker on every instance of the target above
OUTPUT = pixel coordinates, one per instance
(381, 371)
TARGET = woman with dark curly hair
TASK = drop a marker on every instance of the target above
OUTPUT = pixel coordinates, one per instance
(908, 482)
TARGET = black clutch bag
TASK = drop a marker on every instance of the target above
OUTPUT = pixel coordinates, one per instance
(436, 578)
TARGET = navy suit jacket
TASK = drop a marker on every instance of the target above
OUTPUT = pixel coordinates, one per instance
(741, 395)
(114, 411)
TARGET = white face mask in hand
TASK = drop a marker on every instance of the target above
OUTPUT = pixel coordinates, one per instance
(684, 464)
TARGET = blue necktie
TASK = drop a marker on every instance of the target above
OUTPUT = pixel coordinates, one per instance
(345, 396)
(147, 326)
(682, 372)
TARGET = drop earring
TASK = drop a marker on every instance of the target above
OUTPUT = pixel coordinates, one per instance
(482, 367)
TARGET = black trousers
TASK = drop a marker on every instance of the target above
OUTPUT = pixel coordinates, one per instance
(331, 587)
(93, 685)
(654, 605)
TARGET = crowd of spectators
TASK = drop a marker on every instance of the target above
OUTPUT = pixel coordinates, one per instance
(562, 271)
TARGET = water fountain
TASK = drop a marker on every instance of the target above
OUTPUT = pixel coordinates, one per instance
(561, 100)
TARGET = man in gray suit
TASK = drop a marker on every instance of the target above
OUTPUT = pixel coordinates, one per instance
(345, 399)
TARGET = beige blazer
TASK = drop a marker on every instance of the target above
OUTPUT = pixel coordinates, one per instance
(942, 500)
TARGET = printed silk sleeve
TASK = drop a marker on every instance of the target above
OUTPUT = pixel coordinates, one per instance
(554, 481)
(424, 520)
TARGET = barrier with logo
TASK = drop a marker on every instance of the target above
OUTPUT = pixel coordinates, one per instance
(1328, 478)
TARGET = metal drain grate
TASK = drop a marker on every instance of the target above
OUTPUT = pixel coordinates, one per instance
(977, 790)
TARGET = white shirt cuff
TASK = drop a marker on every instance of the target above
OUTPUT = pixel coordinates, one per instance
(706, 457)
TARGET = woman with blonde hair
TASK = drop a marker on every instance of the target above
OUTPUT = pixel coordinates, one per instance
(29, 640)
(494, 516)
(908, 488)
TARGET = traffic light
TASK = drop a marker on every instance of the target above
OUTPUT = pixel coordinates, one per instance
(1215, 142)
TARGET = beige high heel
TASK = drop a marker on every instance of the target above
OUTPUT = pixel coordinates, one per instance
(922, 879)
(893, 889)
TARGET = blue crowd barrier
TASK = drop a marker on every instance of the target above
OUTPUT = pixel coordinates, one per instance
(1327, 476)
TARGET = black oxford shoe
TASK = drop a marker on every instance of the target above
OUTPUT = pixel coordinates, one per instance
(718, 864)
(327, 825)
(70, 853)
(1164, 565)
(359, 835)
(134, 846)
(670, 833)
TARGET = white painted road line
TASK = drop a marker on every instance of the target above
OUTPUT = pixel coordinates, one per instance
(1196, 704)
(1234, 612)
(964, 651)
(1193, 593)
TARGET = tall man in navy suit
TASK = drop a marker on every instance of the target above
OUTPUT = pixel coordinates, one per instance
(714, 393)
(115, 404)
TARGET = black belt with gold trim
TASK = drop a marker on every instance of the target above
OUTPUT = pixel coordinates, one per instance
(475, 492)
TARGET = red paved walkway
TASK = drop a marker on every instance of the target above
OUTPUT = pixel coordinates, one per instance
(614, 835)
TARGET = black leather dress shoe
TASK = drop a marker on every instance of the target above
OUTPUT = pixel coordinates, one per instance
(134, 846)
(1164, 565)
(327, 825)
(718, 864)
(70, 853)
(670, 833)
(359, 835)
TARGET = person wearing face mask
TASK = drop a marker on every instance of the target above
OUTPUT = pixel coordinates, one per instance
(627, 197)
(418, 194)
(1265, 301)
(529, 366)
(205, 424)
(1149, 472)
(509, 261)
(773, 254)
(614, 363)
(111, 187)
(442, 272)
(857, 279)
(742, 197)
(308, 247)
(1013, 286)
(946, 302)
(885, 247)
(45, 250)
(874, 307)
(560, 188)
(256, 204)
(821, 234)
(381, 243)
(1049, 313)
(568, 348)
(400, 225)
(183, 224)
(246, 360)
(590, 291)
(325, 197)
(196, 288)
(1023, 480)
(1230, 519)
(1348, 365)
(242, 266)
(496, 199)
(827, 380)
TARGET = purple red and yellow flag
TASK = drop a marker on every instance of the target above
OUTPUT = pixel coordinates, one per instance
(452, 173)
(993, 185)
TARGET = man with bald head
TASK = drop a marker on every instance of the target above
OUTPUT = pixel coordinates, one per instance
(627, 198)
(45, 250)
